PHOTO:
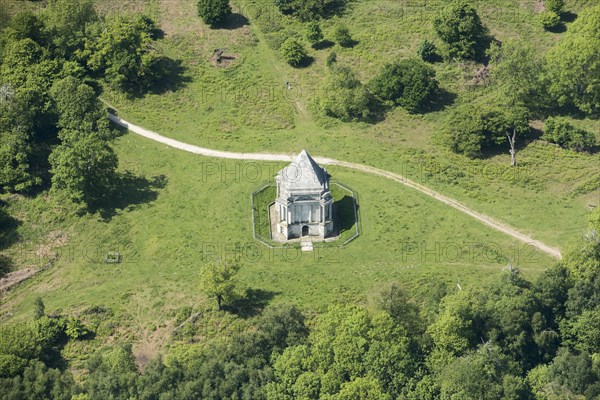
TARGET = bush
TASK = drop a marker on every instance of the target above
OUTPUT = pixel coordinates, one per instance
(75, 328)
(427, 51)
(313, 33)
(560, 131)
(345, 97)
(461, 30)
(331, 59)
(293, 52)
(549, 20)
(341, 34)
(555, 6)
(213, 12)
(311, 10)
(408, 83)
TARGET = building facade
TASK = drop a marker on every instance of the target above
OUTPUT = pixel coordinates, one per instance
(304, 206)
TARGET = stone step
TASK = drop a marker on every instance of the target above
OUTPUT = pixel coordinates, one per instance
(306, 246)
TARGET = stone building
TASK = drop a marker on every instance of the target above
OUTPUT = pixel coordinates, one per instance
(304, 206)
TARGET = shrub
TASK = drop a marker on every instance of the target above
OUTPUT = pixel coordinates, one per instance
(345, 97)
(331, 58)
(75, 328)
(555, 6)
(408, 83)
(427, 51)
(341, 34)
(213, 12)
(293, 52)
(461, 30)
(313, 33)
(560, 131)
(549, 20)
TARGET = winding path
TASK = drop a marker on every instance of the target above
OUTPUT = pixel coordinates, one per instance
(329, 161)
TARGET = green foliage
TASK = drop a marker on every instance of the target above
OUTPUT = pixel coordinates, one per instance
(213, 12)
(460, 29)
(555, 6)
(331, 58)
(293, 52)
(471, 130)
(516, 72)
(549, 20)
(84, 168)
(39, 382)
(410, 84)
(573, 65)
(67, 21)
(348, 354)
(311, 10)
(345, 97)
(313, 33)
(123, 53)
(79, 108)
(75, 329)
(427, 51)
(560, 131)
(217, 280)
(341, 34)
(26, 25)
(38, 308)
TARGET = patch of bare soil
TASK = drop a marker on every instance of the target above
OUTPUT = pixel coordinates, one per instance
(16, 277)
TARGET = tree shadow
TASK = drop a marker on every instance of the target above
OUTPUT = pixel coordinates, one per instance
(252, 303)
(305, 63)
(442, 100)
(232, 21)
(169, 76)
(130, 192)
(568, 16)
(503, 148)
(560, 28)
(350, 44)
(8, 226)
(323, 44)
(346, 210)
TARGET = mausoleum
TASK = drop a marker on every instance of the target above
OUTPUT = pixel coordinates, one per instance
(304, 206)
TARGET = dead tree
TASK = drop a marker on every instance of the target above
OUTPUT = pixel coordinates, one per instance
(513, 151)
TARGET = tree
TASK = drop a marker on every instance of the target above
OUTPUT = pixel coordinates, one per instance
(38, 308)
(549, 20)
(67, 21)
(573, 65)
(78, 108)
(345, 97)
(560, 131)
(555, 6)
(217, 280)
(410, 84)
(27, 25)
(341, 34)
(293, 52)
(124, 54)
(427, 51)
(311, 10)
(516, 71)
(461, 30)
(470, 130)
(84, 168)
(16, 148)
(362, 388)
(313, 33)
(213, 12)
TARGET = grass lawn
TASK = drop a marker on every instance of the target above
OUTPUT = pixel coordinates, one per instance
(245, 106)
(193, 216)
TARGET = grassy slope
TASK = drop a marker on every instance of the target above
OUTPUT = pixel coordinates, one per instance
(245, 107)
(197, 215)
(167, 237)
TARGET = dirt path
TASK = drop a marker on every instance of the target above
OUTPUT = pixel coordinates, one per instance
(359, 167)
